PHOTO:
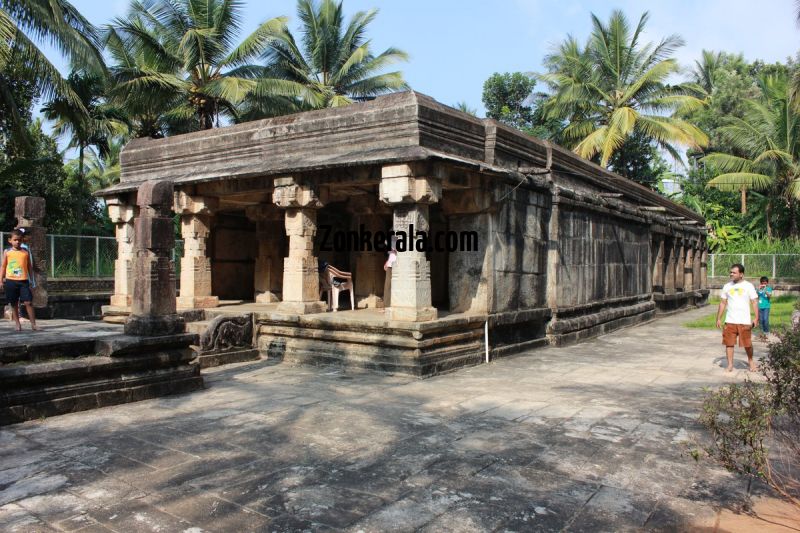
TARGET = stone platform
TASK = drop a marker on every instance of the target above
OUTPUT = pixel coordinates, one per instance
(593, 437)
(72, 366)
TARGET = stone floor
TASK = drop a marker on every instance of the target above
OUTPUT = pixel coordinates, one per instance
(588, 437)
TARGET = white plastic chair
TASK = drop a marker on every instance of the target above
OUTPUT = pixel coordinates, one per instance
(344, 282)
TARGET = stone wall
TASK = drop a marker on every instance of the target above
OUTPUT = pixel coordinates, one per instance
(520, 241)
(601, 258)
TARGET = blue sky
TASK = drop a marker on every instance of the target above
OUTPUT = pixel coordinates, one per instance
(455, 45)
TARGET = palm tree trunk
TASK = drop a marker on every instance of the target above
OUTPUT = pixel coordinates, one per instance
(80, 162)
(792, 219)
(744, 200)
(766, 216)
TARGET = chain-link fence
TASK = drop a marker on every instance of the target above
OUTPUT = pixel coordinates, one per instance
(781, 267)
(82, 256)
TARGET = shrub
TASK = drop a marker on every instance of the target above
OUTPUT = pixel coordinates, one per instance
(755, 427)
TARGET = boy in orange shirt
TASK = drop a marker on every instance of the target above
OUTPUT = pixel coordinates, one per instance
(15, 275)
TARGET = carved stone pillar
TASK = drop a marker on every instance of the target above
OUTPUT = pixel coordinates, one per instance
(153, 305)
(300, 269)
(688, 268)
(195, 213)
(268, 282)
(409, 194)
(704, 268)
(122, 215)
(30, 212)
(680, 259)
(658, 263)
(669, 265)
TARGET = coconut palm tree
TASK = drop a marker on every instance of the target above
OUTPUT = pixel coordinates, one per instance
(334, 63)
(183, 54)
(766, 148)
(91, 122)
(615, 87)
(23, 23)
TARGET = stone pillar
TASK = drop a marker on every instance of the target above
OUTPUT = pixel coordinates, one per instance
(30, 212)
(704, 267)
(410, 195)
(153, 305)
(300, 269)
(195, 213)
(658, 263)
(268, 280)
(688, 268)
(553, 251)
(669, 266)
(122, 215)
(679, 263)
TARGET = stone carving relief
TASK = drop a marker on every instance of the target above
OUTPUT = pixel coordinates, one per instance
(226, 332)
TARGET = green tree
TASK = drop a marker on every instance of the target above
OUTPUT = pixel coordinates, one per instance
(23, 23)
(507, 98)
(39, 171)
(765, 144)
(92, 123)
(616, 87)
(334, 64)
(183, 52)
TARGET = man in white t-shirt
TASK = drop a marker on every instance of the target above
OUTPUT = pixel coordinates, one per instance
(738, 297)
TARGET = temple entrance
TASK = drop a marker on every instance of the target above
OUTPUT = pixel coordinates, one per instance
(233, 249)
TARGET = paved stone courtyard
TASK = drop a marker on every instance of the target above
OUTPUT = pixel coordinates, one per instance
(588, 437)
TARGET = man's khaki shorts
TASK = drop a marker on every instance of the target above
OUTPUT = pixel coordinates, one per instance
(743, 331)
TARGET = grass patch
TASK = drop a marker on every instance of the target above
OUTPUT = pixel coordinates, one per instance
(779, 316)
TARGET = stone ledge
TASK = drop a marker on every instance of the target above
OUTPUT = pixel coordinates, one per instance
(120, 345)
(209, 360)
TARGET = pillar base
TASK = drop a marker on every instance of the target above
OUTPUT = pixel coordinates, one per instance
(120, 300)
(267, 298)
(197, 302)
(151, 326)
(302, 308)
(371, 302)
(411, 314)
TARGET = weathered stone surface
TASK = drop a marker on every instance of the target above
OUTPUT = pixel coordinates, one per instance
(589, 436)
(226, 332)
(123, 345)
(153, 306)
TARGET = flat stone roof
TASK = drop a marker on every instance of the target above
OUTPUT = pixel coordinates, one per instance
(396, 128)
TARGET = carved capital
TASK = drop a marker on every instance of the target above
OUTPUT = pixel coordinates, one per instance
(289, 193)
(188, 204)
(400, 184)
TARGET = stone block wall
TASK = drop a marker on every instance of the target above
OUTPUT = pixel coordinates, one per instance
(520, 237)
(601, 258)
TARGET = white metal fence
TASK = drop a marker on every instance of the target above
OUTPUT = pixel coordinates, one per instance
(82, 256)
(779, 267)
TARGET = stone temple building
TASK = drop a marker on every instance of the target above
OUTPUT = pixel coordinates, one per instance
(565, 249)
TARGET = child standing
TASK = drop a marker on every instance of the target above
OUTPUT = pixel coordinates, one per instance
(15, 274)
(764, 292)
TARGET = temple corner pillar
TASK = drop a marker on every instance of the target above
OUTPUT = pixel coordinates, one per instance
(410, 192)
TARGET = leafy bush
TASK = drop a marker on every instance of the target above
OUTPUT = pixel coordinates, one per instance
(756, 426)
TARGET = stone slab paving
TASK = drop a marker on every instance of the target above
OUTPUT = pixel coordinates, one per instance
(584, 438)
(55, 330)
